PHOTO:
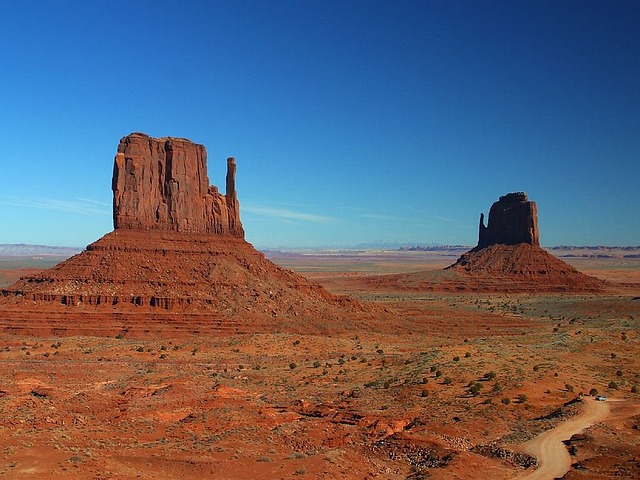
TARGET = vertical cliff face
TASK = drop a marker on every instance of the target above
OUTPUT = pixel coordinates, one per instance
(162, 184)
(513, 219)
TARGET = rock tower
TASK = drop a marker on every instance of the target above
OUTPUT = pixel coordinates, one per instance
(513, 219)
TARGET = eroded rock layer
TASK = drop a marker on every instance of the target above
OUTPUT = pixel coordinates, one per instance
(164, 274)
(524, 267)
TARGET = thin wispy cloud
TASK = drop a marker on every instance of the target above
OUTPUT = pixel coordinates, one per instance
(285, 214)
(82, 206)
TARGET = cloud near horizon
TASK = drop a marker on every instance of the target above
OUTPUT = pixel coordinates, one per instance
(284, 214)
(79, 205)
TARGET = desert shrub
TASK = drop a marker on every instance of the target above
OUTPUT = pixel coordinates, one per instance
(496, 387)
(438, 373)
(456, 359)
(568, 387)
(447, 381)
(634, 389)
(475, 389)
(613, 355)
(140, 349)
(163, 348)
(433, 368)
(380, 351)
(489, 375)
(505, 400)
(522, 398)
(316, 364)
(467, 355)
(425, 380)
(593, 392)
(163, 355)
(292, 366)
(341, 361)
(424, 393)
(297, 342)
(613, 385)
(619, 373)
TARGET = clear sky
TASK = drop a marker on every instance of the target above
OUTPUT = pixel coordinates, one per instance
(350, 121)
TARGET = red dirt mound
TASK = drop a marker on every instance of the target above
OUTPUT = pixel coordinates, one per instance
(197, 280)
(524, 266)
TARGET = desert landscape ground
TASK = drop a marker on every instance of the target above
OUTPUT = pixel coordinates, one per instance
(455, 380)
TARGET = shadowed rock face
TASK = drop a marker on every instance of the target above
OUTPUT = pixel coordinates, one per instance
(162, 184)
(513, 219)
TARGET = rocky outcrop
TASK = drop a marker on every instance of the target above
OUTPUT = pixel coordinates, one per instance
(513, 219)
(162, 184)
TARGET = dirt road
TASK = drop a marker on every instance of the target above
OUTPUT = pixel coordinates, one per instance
(553, 458)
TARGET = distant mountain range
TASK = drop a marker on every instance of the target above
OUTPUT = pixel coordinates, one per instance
(565, 251)
(25, 250)
(568, 251)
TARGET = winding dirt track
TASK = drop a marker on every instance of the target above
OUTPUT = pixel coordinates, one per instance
(553, 459)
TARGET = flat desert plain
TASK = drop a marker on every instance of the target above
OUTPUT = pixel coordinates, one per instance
(457, 385)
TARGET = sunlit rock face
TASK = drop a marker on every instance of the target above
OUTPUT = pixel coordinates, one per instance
(162, 184)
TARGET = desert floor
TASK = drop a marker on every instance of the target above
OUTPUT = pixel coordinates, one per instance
(453, 388)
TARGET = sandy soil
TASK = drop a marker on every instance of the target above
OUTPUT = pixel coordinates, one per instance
(453, 382)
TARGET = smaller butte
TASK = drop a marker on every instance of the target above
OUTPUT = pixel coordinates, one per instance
(509, 257)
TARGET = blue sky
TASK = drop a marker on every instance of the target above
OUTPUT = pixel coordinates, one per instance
(350, 121)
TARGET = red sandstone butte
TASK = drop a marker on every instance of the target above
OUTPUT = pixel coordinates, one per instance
(508, 254)
(176, 259)
(162, 184)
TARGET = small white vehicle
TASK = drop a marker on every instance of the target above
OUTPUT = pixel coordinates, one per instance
(601, 398)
